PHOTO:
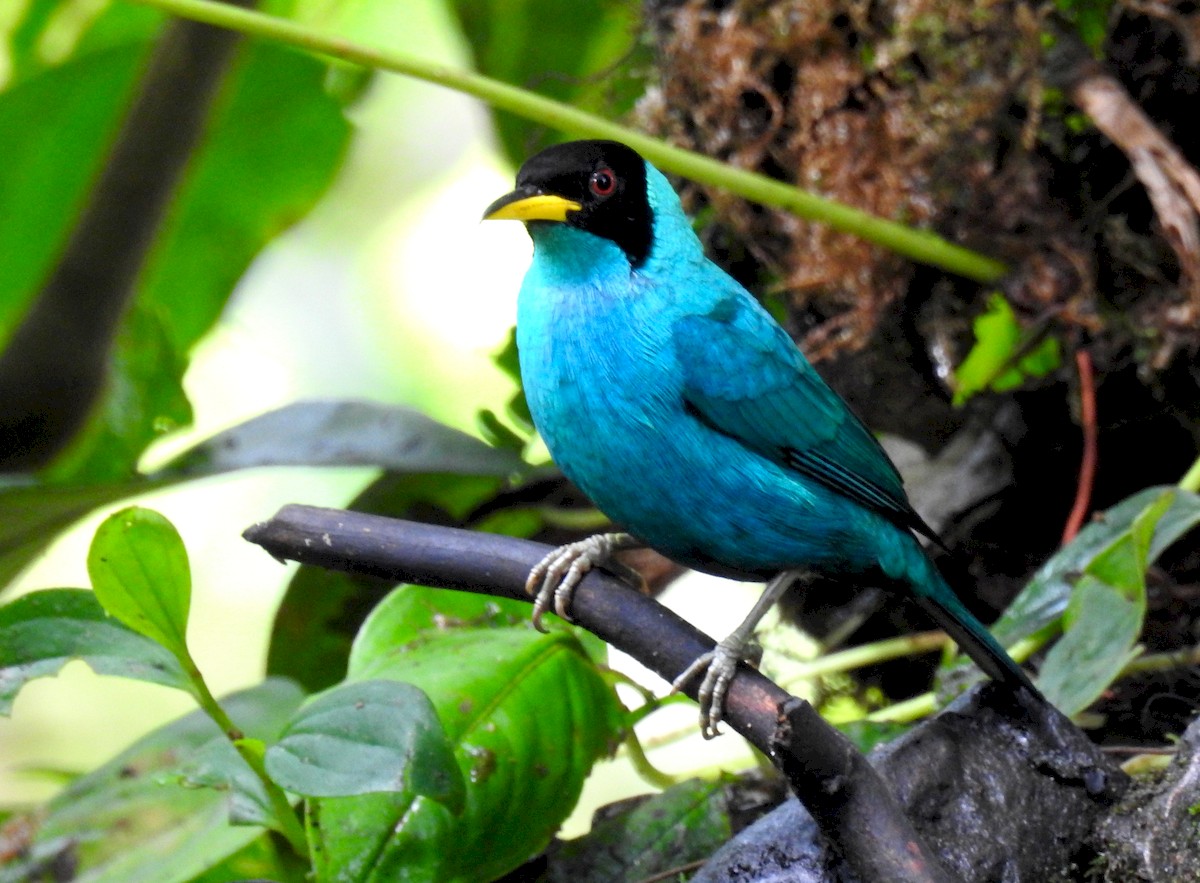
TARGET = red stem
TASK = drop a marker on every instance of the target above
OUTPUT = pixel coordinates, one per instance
(1087, 465)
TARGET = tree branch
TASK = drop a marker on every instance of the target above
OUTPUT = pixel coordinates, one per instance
(856, 812)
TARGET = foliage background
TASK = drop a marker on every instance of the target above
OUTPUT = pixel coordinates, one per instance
(358, 300)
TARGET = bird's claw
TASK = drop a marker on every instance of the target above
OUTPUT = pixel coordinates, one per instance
(554, 579)
(719, 666)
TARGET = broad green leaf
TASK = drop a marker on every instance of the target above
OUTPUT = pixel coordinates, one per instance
(1095, 649)
(683, 824)
(507, 360)
(1123, 563)
(240, 192)
(366, 737)
(42, 631)
(53, 130)
(219, 766)
(263, 859)
(131, 821)
(410, 613)
(1104, 617)
(527, 715)
(995, 361)
(317, 434)
(580, 52)
(32, 514)
(51, 32)
(345, 433)
(1044, 599)
(140, 574)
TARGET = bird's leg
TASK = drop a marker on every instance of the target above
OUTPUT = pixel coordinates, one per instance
(554, 578)
(720, 664)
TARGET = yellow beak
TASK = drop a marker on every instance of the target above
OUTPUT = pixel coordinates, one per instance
(525, 204)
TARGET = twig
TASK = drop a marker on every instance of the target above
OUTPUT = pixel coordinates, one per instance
(1087, 463)
(1171, 182)
(858, 814)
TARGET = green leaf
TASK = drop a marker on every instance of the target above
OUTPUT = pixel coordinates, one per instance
(240, 192)
(527, 715)
(263, 859)
(410, 613)
(1122, 564)
(1104, 616)
(345, 433)
(56, 122)
(139, 570)
(683, 824)
(365, 737)
(133, 821)
(1090, 18)
(1095, 649)
(32, 514)
(540, 44)
(53, 129)
(994, 362)
(42, 631)
(1044, 599)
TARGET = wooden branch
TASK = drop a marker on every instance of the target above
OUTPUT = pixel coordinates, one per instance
(857, 813)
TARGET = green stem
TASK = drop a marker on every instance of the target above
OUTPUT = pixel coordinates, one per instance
(281, 808)
(869, 654)
(906, 711)
(1152, 662)
(919, 245)
(1191, 480)
(644, 768)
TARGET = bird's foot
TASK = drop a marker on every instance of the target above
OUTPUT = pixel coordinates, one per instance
(553, 579)
(719, 666)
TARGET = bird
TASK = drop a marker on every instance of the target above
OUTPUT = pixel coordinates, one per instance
(689, 417)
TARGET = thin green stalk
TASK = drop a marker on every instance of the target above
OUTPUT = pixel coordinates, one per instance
(281, 808)
(919, 245)
(1152, 662)
(869, 654)
(1191, 480)
(907, 711)
(648, 771)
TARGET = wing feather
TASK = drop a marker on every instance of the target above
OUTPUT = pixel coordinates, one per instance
(746, 379)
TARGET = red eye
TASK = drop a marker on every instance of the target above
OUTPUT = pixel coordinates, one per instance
(603, 182)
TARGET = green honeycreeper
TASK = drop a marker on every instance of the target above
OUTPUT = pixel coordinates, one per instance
(688, 415)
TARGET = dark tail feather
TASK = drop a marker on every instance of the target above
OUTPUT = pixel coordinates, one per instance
(974, 639)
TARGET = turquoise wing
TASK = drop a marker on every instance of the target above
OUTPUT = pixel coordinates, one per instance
(745, 378)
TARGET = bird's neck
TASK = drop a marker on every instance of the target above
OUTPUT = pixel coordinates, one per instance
(566, 258)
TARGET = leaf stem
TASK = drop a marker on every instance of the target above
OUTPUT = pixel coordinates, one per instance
(868, 654)
(1153, 662)
(904, 712)
(1191, 480)
(651, 774)
(919, 245)
(282, 809)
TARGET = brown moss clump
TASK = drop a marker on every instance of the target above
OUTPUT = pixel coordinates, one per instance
(925, 112)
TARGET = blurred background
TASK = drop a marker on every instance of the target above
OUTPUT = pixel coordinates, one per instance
(389, 289)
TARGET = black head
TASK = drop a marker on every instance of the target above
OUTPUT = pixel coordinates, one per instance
(597, 186)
